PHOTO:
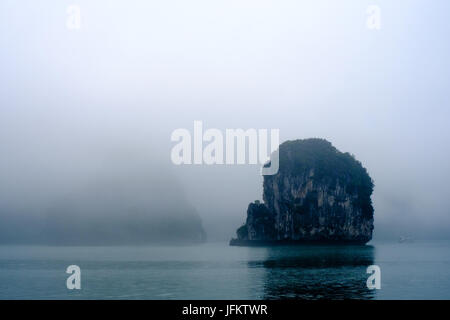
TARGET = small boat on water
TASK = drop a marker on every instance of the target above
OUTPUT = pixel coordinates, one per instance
(403, 239)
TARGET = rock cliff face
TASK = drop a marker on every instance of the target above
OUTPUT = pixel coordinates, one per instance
(318, 195)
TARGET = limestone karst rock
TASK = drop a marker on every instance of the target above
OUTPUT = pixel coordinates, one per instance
(319, 195)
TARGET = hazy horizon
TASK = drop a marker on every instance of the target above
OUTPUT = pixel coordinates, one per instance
(89, 112)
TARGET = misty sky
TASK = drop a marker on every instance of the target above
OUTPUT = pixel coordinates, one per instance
(74, 101)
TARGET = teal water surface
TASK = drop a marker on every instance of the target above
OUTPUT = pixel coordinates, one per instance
(419, 270)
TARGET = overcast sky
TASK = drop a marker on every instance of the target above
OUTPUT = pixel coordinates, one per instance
(72, 100)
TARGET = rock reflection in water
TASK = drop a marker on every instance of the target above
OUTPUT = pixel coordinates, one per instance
(316, 272)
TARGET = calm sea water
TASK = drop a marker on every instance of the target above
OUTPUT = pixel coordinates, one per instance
(419, 270)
